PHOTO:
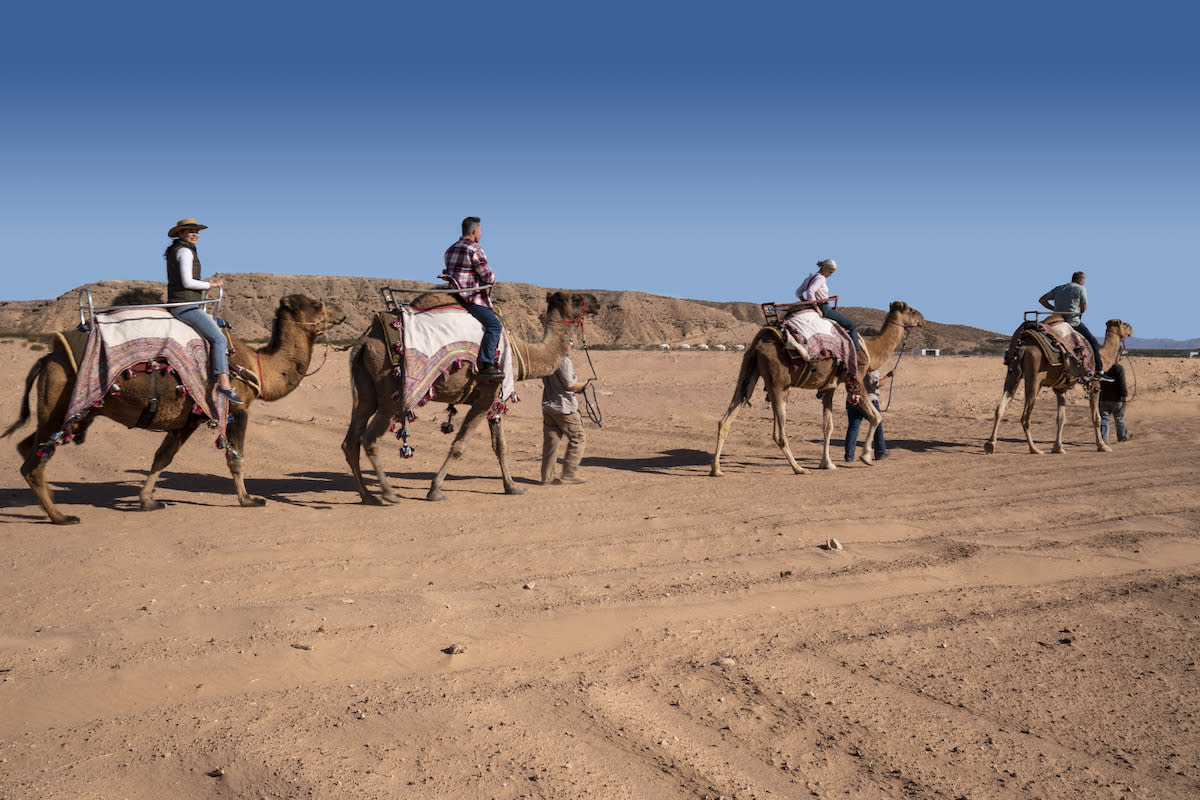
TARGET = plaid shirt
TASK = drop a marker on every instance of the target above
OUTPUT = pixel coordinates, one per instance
(466, 268)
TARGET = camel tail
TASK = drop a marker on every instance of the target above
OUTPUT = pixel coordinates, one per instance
(29, 379)
(748, 376)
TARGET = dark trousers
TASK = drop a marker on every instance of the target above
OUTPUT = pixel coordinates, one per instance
(829, 312)
(1083, 330)
(491, 331)
(855, 415)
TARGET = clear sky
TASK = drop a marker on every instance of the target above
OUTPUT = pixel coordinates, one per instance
(963, 157)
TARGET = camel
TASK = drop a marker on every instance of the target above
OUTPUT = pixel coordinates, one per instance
(282, 364)
(765, 358)
(373, 385)
(1033, 366)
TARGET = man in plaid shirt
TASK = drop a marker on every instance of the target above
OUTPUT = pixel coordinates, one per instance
(467, 268)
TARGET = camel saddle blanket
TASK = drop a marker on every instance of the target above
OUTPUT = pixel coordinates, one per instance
(1055, 339)
(122, 340)
(432, 342)
(819, 339)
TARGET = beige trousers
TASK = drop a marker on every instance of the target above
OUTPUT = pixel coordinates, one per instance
(556, 427)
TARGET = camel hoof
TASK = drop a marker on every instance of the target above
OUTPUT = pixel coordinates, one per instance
(1104, 448)
(1057, 449)
(716, 473)
(371, 500)
(515, 489)
(66, 520)
(153, 505)
(435, 495)
(989, 447)
(390, 497)
(827, 465)
(253, 502)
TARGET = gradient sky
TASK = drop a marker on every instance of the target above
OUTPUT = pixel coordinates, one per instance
(964, 157)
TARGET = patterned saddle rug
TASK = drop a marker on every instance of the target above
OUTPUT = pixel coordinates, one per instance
(140, 340)
(1057, 340)
(812, 337)
(426, 344)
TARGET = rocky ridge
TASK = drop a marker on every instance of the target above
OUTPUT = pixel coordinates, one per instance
(625, 319)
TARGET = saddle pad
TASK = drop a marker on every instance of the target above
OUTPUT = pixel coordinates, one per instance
(1055, 339)
(122, 339)
(437, 339)
(823, 339)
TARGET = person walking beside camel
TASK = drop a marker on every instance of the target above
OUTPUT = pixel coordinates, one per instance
(1113, 397)
(184, 286)
(1069, 300)
(467, 268)
(855, 416)
(561, 419)
(815, 289)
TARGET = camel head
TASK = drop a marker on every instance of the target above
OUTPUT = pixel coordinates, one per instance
(902, 313)
(563, 306)
(1121, 329)
(314, 314)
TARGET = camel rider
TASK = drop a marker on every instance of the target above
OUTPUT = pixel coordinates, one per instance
(467, 268)
(184, 286)
(815, 289)
(1070, 301)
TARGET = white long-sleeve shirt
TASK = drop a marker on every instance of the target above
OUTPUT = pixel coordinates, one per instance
(814, 288)
(184, 255)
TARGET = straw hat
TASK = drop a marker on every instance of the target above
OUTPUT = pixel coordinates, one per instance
(188, 224)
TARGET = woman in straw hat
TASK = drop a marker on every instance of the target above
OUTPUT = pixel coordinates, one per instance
(184, 286)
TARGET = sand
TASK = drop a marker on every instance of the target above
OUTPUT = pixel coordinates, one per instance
(1005, 626)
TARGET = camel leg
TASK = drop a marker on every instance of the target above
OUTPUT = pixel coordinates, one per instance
(723, 427)
(235, 437)
(475, 415)
(778, 397)
(1031, 390)
(827, 430)
(54, 396)
(1010, 387)
(747, 380)
(500, 448)
(162, 459)
(1101, 445)
(376, 428)
(874, 420)
(33, 470)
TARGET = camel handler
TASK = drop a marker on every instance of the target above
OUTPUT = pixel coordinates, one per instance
(561, 418)
(1069, 300)
(467, 268)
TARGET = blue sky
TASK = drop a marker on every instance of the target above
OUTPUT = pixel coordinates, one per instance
(962, 157)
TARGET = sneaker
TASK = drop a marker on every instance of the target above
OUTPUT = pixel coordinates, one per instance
(849, 459)
(232, 395)
(565, 481)
(879, 456)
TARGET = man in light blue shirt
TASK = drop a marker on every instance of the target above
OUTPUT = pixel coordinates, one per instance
(1070, 301)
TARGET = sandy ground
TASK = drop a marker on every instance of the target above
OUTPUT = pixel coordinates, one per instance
(1006, 626)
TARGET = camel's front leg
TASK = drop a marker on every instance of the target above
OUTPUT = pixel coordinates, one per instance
(989, 446)
(723, 426)
(475, 414)
(376, 428)
(827, 429)
(1101, 445)
(779, 429)
(235, 442)
(1060, 420)
(162, 459)
(500, 448)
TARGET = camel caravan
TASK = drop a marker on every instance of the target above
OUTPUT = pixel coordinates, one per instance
(174, 367)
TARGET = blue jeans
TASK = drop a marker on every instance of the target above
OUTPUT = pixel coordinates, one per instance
(1083, 330)
(491, 331)
(829, 312)
(1113, 410)
(207, 327)
(855, 415)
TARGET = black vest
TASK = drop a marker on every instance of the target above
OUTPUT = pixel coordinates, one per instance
(175, 291)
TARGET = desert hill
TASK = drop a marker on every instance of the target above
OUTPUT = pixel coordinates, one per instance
(625, 319)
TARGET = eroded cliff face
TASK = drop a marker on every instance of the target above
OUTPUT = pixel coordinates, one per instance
(624, 318)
